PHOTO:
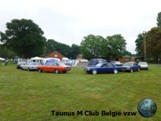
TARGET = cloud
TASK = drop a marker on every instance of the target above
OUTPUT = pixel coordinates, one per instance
(68, 21)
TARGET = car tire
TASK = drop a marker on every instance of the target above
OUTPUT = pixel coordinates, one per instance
(56, 71)
(40, 70)
(131, 70)
(94, 72)
(115, 71)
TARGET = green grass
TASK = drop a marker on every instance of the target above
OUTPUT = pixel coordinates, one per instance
(31, 96)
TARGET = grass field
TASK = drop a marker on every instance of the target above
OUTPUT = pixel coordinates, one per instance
(32, 96)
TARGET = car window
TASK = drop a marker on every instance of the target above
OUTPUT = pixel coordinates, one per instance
(109, 64)
(128, 64)
(49, 64)
(99, 65)
(104, 65)
(142, 63)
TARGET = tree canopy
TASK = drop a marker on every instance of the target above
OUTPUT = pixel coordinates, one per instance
(153, 43)
(117, 45)
(159, 19)
(66, 50)
(24, 37)
(111, 47)
(140, 44)
(91, 46)
(6, 53)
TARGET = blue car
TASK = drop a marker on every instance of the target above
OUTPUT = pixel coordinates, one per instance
(130, 66)
(104, 67)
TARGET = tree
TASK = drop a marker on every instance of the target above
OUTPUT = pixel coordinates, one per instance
(75, 50)
(113, 47)
(24, 37)
(140, 44)
(91, 46)
(6, 53)
(117, 45)
(159, 19)
(153, 43)
(52, 45)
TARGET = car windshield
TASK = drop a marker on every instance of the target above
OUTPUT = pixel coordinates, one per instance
(35, 63)
(94, 62)
(142, 63)
(55, 64)
(99, 65)
(128, 64)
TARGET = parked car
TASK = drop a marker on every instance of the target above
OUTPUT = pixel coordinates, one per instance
(103, 67)
(95, 61)
(130, 66)
(56, 67)
(30, 66)
(143, 65)
(19, 64)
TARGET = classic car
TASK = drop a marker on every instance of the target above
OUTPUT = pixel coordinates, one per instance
(102, 67)
(19, 64)
(30, 66)
(130, 66)
(143, 65)
(55, 66)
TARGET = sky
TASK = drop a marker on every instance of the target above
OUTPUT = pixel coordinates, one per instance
(68, 21)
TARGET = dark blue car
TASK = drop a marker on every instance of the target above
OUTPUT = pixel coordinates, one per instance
(130, 66)
(103, 67)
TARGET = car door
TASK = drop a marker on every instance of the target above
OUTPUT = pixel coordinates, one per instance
(110, 67)
(54, 67)
(135, 66)
(103, 68)
(51, 67)
(46, 67)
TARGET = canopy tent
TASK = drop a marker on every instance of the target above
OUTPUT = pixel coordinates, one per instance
(2, 59)
(36, 58)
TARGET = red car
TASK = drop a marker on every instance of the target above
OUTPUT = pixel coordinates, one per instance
(56, 67)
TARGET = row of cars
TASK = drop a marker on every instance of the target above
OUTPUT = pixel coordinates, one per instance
(102, 66)
(51, 66)
(94, 66)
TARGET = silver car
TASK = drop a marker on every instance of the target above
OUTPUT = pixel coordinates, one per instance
(30, 66)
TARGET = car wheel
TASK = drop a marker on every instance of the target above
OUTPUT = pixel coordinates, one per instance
(131, 70)
(56, 71)
(40, 70)
(94, 72)
(115, 71)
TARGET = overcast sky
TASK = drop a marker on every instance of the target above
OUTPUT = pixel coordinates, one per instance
(68, 21)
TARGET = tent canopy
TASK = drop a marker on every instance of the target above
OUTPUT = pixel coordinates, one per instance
(36, 58)
(2, 59)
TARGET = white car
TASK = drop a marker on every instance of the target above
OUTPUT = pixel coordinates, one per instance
(30, 66)
(143, 65)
